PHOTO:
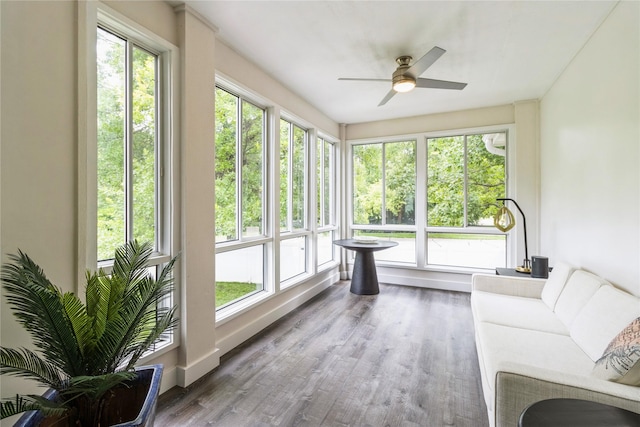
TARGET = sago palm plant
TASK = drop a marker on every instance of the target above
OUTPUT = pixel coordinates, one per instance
(84, 349)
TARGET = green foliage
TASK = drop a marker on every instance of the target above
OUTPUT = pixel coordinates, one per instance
(398, 183)
(367, 186)
(19, 404)
(245, 150)
(231, 291)
(252, 166)
(293, 176)
(394, 194)
(85, 350)
(485, 175)
(445, 182)
(114, 144)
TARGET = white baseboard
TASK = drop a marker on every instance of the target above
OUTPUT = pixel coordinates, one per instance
(424, 282)
(185, 375)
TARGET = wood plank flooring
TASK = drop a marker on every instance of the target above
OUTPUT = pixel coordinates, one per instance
(405, 357)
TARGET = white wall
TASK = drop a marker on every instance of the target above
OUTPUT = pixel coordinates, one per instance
(38, 146)
(590, 139)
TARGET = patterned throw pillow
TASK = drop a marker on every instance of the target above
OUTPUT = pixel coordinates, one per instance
(620, 361)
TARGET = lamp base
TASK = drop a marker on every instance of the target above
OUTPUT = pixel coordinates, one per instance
(522, 269)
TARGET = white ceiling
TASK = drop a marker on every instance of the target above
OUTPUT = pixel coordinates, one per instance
(505, 50)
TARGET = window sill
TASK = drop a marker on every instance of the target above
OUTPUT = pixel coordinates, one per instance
(229, 313)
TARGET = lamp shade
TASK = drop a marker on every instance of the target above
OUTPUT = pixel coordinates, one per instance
(504, 220)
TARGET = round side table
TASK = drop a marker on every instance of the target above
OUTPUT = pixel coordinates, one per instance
(364, 280)
(576, 413)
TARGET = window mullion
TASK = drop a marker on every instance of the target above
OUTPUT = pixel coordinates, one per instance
(160, 243)
(383, 208)
(465, 220)
(306, 146)
(239, 172)
(266, 229)
(332, 184)
(290, 177)
(128, 143)
(321, 147)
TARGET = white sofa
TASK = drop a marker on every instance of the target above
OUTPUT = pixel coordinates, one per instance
(539, 339)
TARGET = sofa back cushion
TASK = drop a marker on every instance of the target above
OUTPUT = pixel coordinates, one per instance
(607, 313)
(579, 289)
(555, 283)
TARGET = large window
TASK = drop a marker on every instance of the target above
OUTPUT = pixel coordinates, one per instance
(465, 175)
(436, 198)
(133, 169)
(384, 188)
(325, 190)
(293, 173)
(128, 144)
(294, 180)
(240, 198)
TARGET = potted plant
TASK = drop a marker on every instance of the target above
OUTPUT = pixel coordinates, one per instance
(87, 350)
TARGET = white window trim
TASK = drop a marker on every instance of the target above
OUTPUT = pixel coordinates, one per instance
(273, 235)
(233, 309)
(421, 174)
(91, 14)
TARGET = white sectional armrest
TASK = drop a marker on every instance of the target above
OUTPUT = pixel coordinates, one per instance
(520, 385)
(508, 285)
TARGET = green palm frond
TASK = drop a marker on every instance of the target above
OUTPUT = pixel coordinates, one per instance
(95, 308)
(20, 404)
(38, 306)
(131, 260)
(85, 349)
(130, 333)
(166, 321)
(27, 364)
(76, 313)
(95, 387)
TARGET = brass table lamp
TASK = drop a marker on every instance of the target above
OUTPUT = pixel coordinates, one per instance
(504, 221)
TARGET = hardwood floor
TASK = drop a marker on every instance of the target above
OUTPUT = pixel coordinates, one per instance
(405, 357)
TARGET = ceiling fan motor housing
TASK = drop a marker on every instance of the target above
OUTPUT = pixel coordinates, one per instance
(401, 81)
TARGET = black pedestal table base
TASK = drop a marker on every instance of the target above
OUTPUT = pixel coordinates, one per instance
(364, 279)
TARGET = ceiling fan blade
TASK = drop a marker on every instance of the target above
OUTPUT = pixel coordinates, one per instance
(426, 61)
(364, 80)
(439, 84)
(387, 97)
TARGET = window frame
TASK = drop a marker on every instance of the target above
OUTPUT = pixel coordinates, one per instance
(383, 171)
(465, 229)
(322, 225)
(265, 239)
(240, 238)
(91, 16)
(291, 232)
(290, 228)
(420, 228)
(271, 241)
(159, 190)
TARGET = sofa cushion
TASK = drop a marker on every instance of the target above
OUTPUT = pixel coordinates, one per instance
(519, 312)
(602, 318)
(543, 350)
(621, 359)
(555, 283)
(579, 289)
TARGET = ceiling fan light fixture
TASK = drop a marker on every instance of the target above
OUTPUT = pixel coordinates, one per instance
(404, 84)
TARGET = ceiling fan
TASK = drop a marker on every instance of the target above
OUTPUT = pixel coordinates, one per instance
(406, 77)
